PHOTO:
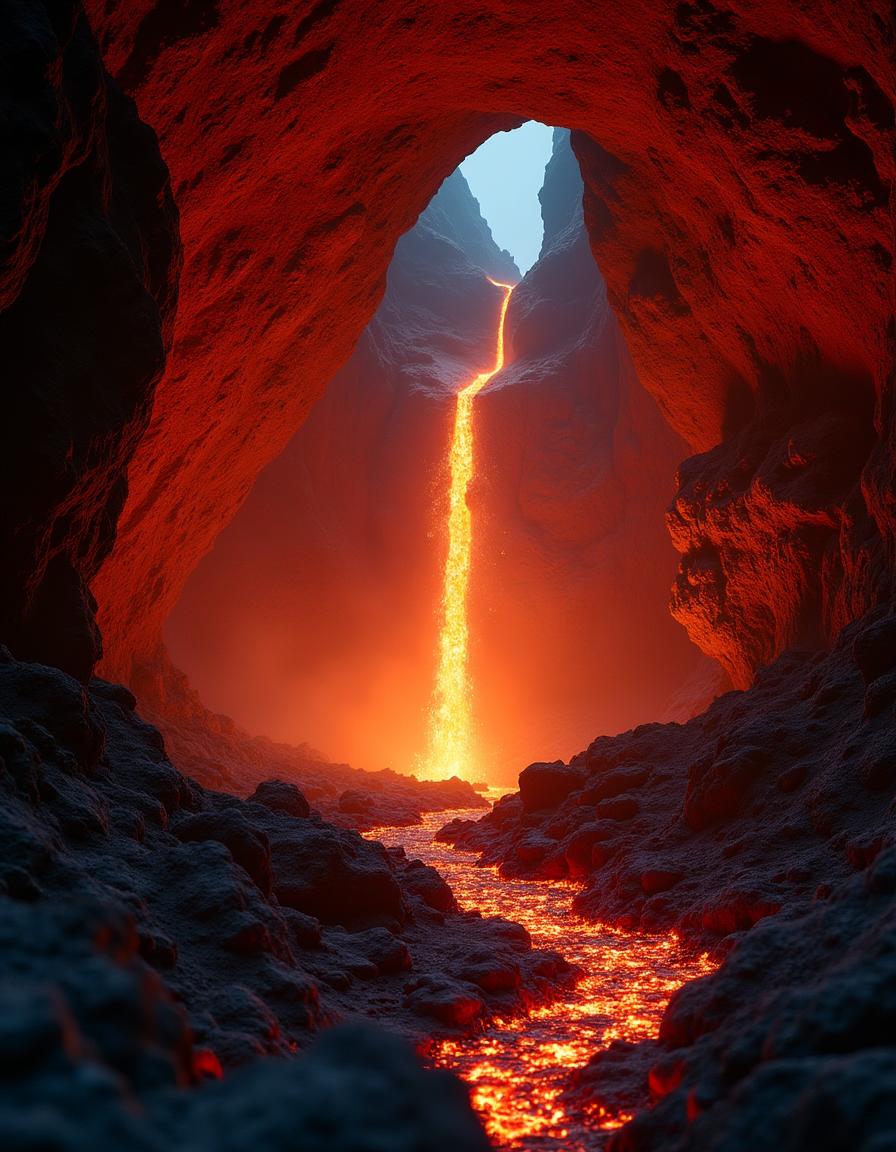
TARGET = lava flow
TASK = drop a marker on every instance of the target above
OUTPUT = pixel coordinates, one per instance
(519, 1069)
(451, 719)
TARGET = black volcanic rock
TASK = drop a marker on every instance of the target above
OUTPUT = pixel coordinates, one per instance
(544, 786)
(763, 828)
(89, 263)
(281, 796)
(712, 825)
(153, 933)
(792, 1037)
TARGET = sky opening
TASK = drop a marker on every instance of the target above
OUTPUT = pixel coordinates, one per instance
(505, 175)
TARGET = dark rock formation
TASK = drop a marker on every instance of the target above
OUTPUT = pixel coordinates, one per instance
(791, 1038)
(66, 1094)
(712, 825)
(89, 260)
(765, 829)
(154, 932)
(738, 163)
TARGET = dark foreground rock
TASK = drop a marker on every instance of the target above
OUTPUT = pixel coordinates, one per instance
(765, 829)
(154, 933)
(358, 1087)
(712, 825)
(789, 1045)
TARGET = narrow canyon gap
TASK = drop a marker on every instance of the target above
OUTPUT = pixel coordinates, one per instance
(316, 617)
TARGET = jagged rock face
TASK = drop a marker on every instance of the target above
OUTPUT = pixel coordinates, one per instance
(712, 825)
(89, 257)
(778, 548)
(570, 628)
(765, 828)
(316, 615)
(737, 164)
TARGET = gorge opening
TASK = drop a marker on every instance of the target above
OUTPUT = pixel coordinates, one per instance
(317, 616)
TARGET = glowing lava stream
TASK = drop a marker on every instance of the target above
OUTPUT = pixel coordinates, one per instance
(519, 1068)
(450, 738)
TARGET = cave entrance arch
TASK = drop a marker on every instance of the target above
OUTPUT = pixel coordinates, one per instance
(318, 615)
(717, 201)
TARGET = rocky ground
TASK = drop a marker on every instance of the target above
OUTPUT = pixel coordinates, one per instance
(765, 829)
(156, 933)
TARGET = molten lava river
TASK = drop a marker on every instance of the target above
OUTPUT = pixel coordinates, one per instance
(518, 1069)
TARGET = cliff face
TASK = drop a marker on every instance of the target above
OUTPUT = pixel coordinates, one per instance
(89, 260)
(737, 160)
(316, 615)
(572, 565)
(737, 165)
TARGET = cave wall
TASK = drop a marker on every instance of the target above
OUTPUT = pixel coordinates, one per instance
(315, 615)
(568, 603)
(89, 260)
(737, 165)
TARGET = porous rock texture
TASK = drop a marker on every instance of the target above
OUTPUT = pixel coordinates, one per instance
(737, 161)
(89, 260)
(316, 614)
(571, 567)
(155, 933)
(765, 830)
(711, 825)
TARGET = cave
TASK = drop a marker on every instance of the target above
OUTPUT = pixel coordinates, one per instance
(659, 911)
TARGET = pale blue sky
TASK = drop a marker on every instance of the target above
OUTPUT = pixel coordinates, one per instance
(505, 175)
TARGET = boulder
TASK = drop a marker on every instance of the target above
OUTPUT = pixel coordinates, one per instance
(281, 796)
(546, 786)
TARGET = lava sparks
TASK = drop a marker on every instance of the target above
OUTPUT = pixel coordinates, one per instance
(450, 738)
(519, 1070)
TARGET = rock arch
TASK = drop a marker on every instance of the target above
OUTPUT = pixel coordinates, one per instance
(737, 160)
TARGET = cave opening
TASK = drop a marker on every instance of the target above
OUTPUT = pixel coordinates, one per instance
(317, 618)
(200, 203)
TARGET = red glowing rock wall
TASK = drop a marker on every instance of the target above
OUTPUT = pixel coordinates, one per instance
(570, 628)
(737, 159)
(316, 614)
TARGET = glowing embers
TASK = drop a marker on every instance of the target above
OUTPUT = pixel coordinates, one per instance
(519, 1069)
(451, 719)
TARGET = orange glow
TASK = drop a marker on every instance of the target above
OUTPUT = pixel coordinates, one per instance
(451, 717)
(518, 1069)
